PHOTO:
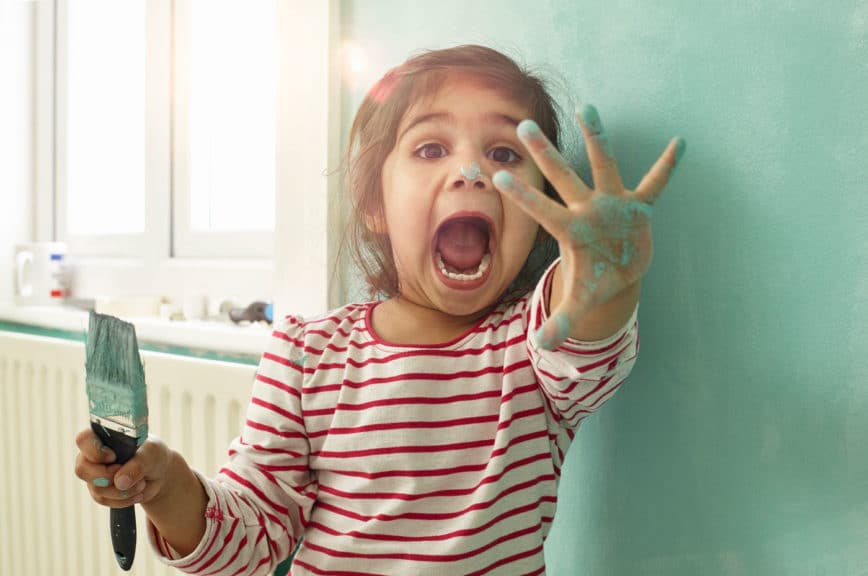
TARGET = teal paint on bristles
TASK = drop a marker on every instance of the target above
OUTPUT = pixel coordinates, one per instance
(115, 378)
(115, 384)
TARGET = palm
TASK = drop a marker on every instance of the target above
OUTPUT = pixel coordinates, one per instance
(606, 247)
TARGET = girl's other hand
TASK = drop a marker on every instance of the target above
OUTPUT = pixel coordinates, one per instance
(139, 480)
(604, 232)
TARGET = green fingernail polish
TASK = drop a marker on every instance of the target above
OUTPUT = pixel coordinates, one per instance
(101, 482)
(503, 179)
(528, 129)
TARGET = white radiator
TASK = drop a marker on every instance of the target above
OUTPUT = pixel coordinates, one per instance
(48, 523)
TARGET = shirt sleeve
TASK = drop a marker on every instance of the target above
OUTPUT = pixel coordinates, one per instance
(578, 376)
(259, 502)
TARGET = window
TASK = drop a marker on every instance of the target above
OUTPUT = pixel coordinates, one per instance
(165, 141)
(157, 138)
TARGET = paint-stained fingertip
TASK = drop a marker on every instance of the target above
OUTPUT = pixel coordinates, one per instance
(590, 117)
(541, 340)
(504, 180)
(680, 147)
(528, 129)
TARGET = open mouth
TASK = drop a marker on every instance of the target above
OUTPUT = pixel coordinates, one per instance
(462, 250)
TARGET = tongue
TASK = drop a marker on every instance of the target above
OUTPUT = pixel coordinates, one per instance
(462, 245)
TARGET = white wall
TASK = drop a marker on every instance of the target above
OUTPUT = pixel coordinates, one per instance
(16, 141)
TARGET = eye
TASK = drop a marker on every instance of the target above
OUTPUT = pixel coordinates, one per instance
(503, 155)
(430, 151)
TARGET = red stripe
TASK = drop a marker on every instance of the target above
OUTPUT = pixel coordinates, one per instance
(204, 556)
(424, 352)
(278, 384)
(510, 560)
(329, 572)
(232, 558)
(581, 348)
(409, 425)
(423, 495)
(419, 449)
(253, 488)
(425, 400)
(427, 557)
(267, 450)
(432, 516)
(433, 538)
(411, 400)
(272, 430)
(262, 562)
(428, 376)
(277, 410)
(281, 360)
(441, 471)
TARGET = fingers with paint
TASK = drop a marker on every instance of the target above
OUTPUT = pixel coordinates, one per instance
(603, 231)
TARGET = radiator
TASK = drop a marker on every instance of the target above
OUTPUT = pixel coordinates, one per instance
(48, 523)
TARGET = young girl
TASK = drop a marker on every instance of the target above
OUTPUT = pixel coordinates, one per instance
(424, 432)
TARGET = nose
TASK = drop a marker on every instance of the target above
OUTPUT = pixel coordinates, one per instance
(469, 175)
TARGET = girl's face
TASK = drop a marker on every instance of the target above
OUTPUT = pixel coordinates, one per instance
(457, 243)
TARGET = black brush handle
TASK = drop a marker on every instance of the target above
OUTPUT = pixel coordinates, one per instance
(122, 521)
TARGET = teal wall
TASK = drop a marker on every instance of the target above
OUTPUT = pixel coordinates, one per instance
(738, 446)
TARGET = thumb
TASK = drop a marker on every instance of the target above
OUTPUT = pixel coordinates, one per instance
(149, 462)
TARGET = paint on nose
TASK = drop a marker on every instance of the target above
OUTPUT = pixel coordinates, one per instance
(471, 172)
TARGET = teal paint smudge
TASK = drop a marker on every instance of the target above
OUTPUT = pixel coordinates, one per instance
(503, 179)
(616, 215)
(599, 268)
(591, 119)
(680, 148)
(562, 331)
(628, 250)
(528, 129)
(115, 377)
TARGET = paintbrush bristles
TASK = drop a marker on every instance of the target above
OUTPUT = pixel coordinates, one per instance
(115, 376)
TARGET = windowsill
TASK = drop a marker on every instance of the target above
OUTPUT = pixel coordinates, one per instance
(207, 339)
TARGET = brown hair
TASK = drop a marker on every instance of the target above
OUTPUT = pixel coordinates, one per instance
(373, 136)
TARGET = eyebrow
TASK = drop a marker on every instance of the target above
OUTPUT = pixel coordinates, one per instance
(448, 118)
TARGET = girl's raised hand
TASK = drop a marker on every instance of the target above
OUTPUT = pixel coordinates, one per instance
(604, 233)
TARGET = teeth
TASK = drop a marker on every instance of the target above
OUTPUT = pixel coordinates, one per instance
(483, 266)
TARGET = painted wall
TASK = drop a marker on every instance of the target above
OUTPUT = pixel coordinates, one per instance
(738, 445)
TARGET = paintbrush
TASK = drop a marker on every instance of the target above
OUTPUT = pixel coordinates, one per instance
(117, 398)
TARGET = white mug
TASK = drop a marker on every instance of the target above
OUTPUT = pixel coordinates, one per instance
(40, 273)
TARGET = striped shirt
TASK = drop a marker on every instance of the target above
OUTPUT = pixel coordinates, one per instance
(390, 459)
